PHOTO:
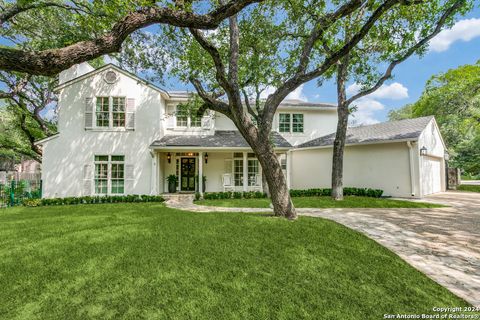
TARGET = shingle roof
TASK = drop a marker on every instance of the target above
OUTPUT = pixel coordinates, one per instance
(220, 139)
(408, 129)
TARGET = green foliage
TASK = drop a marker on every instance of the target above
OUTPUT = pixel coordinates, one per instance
(347, 191)
(469, 187)
(172, 178)
(92, 200)
(233, 195)
(453, 98)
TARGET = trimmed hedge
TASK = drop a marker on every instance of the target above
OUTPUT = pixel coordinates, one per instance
(234, 195)
(347, 191)
(91, 200)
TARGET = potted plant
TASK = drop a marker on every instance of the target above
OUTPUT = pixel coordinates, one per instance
(204, 184)
(172, 183)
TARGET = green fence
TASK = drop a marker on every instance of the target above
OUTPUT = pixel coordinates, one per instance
(13, 192)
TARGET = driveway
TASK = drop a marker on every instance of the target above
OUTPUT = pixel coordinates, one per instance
(443, 243)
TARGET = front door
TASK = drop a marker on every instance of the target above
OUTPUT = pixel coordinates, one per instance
(188, 174)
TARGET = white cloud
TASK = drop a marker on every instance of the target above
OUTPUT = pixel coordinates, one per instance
(368, 106)
(464, 30)
(296, 94)
(393, 91)
(366, 109)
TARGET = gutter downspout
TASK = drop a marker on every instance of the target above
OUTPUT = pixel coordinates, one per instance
(412, 168)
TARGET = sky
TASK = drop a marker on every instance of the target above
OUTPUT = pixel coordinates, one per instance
(451, 48)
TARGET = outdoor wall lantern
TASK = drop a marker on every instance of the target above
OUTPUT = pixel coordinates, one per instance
(423, 151)
(169, 157)
(446, 156)
(206, 157)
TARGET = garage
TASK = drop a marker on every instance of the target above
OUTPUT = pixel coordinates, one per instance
(432, 175)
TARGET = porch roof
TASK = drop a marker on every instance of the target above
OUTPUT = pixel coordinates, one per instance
(220, 139)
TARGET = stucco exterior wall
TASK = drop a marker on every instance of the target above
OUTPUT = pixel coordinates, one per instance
(64, 157)
(317, 123)
(380, 166)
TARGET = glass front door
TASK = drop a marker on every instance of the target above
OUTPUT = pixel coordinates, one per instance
(188, 174)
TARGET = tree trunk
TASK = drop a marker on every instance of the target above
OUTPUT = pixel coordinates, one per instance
(338, 152)
(341, 134)
(277, 184)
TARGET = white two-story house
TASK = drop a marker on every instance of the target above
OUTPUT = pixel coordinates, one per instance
(119, 134)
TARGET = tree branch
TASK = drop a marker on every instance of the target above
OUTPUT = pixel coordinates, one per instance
(299, 78)
(50, 62)
(388, 73)
(210, 101)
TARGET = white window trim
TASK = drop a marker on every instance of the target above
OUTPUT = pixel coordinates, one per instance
(110, 115)
(109, 163)
(244, 164)
(291, 124)
(189, 123)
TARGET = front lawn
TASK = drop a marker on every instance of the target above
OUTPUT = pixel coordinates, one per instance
(469, 187)
(145, 261)
(321, 202)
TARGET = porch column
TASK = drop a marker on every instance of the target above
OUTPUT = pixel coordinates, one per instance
(153, 178)
(158, 175)
(245, 171)
(200, 173)
(289, 164)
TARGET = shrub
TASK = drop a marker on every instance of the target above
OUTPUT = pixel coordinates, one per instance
(197, 196)
(92, 200)
(32, 202)
(347, 191)
(234, 195)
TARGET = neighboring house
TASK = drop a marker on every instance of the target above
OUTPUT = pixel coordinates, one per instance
(119, 134)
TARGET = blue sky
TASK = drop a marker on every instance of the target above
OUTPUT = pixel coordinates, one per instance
(450, 49)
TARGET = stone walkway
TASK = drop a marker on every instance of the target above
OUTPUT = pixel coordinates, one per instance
(443, 243)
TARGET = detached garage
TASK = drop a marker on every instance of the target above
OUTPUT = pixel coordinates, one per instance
(404, 158)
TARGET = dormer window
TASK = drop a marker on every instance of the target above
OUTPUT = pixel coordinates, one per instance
(110, 112)
(290, 123)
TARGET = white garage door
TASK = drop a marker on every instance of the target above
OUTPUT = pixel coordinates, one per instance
(431, 175)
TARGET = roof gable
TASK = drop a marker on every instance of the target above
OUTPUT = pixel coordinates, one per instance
(116, 68)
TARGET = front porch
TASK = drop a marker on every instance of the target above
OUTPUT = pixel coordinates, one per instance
(221, 170)
(224, 160)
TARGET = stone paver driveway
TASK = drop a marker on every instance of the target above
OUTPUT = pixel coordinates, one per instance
(443, 243)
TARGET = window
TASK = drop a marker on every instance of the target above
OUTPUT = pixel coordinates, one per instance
(284, 122)
(109, 174)
(252, 172)
(238, 172)
(290, 123)
(182, 117)
(253, 169)
(297, 122)
(102, 112)
(118, 110)
(187, 118)
(110, 112)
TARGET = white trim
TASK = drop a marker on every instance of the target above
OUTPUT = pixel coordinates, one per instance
(355, 144)
(411, 151)
(112, 66)
(42, 141)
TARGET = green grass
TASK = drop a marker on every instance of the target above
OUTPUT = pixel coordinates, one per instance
(321, 202)
(145, 261)
(469, 187)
